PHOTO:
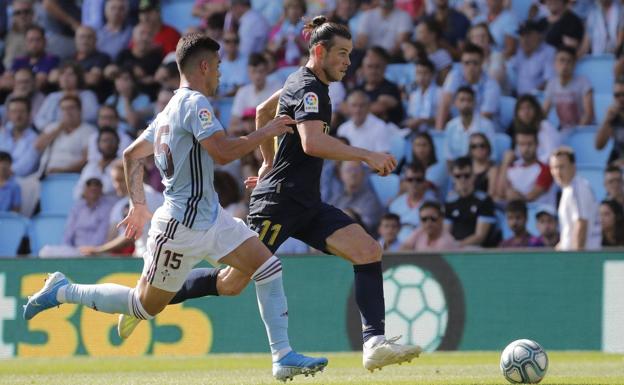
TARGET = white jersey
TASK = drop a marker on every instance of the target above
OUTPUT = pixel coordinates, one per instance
(578, 202)
(187, 170)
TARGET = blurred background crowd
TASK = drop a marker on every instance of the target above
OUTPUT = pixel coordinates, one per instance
(506, 116)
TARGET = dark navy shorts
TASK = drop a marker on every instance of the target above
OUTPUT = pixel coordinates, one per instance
(278, 216)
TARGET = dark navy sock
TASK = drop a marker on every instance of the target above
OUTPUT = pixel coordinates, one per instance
(199, 283)
(369, 298)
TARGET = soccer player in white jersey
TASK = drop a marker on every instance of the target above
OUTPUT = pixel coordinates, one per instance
(187, 140)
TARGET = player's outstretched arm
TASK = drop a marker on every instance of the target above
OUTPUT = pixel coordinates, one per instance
(134, 159)
(224, 149)
(317, 143)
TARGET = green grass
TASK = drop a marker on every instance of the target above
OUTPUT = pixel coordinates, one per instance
(344, 368)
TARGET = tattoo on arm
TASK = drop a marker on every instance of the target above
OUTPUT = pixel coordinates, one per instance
(134, 180)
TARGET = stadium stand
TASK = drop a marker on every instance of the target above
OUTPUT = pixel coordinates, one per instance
(13, 228)
(46, 229)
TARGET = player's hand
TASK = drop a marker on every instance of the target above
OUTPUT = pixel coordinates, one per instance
(382, 163)
(138, 215)
(280, 125)
(252, 181)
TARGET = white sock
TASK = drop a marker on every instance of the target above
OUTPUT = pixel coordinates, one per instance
(106, 297)
(273, 306)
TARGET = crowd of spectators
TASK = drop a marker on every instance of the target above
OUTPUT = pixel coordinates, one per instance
(80, 79)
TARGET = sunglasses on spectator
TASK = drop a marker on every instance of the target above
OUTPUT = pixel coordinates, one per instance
(429, 219)
(464, 175)
(19, 12)
(618, 94)
(477, 145)
(416, 179)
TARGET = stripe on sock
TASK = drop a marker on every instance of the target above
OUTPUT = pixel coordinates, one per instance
(269, 270)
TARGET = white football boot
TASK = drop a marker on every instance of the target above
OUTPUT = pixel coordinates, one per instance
(387, 352)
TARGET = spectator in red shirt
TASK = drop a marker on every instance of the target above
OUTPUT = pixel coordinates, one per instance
(164, 36)
(526, 179)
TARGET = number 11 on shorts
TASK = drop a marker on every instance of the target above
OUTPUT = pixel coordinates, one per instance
(275, 229)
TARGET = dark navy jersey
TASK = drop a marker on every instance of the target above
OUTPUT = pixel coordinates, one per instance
(304, 97)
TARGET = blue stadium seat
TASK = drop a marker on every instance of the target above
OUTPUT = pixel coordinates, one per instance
(402, 74)
(386, 187)
(582, 141)
(599, 71)
(225, 111)
(502, 223)
(178, 14)
(531, 221)
(399, 148)
(507, 108)
(521, 9)
(439, 142)
(595, 176)
(601, 105)
(438, 175)
(12, 229)
(503, 143)
(46, 229)
(57, 193)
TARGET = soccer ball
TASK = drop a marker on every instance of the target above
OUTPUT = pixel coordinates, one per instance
(524, 362)
(415, 306)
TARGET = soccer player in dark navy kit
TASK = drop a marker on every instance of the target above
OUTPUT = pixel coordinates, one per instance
(286, 198)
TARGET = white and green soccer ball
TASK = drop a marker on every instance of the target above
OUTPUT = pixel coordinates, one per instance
(416, 307)
(524, 362)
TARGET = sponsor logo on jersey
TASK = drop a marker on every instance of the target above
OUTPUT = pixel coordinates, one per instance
(310, 102)
(205, 118)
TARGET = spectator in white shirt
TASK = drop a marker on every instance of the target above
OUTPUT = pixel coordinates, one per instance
(253, 29)
(260, 89)
(423, 101)
(364, 129)
(578, 209)
(384, 26)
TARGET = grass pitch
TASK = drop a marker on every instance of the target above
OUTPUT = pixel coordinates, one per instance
(344, 368)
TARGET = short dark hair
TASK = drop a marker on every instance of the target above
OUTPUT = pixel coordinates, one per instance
(35, 27)
(424, 62)
(567, 49)
(416, 167)
(391, 217)
(19, 99)
(431, 205)
(433, 26)
(73, 98)
(379, 51)
(192, 44)
(108, 130)
(613, 168)
(465, 89)
(473, 48)
(462, 162)
(5, 157)
(527, 132)
(321, 31)
(566, 151)
(256, 59)
(516, 206)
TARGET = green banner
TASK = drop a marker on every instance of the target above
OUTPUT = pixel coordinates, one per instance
(469, 301)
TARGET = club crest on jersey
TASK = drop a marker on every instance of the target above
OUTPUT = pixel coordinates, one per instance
(205, 117)
(310, 102)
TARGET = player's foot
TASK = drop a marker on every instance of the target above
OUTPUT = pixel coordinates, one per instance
(388, 352)
(126, 325)
(46, 297)
(294, 364)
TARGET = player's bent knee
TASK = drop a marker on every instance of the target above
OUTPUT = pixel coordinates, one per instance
(369, 253)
